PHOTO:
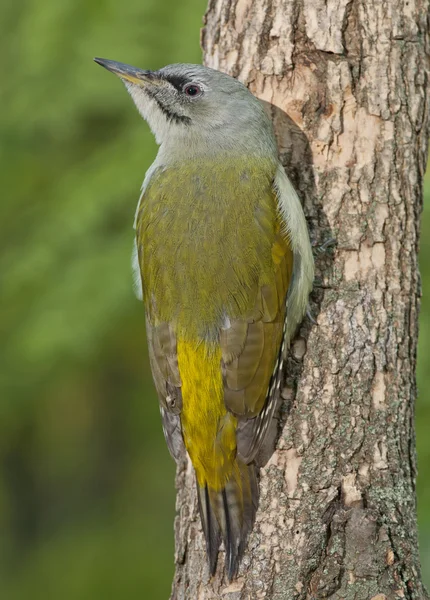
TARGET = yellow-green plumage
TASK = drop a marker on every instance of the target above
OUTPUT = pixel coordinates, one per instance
(195, 269)
(215, 303)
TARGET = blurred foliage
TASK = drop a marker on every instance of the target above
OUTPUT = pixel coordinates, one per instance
(86, 482)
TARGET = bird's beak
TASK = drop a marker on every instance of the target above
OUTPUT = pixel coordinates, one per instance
(126, 72)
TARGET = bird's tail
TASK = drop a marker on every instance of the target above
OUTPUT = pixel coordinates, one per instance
(229, 515)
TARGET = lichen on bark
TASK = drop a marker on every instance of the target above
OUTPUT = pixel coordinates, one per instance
(347, 85)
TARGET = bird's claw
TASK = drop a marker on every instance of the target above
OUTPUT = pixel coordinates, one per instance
(325, 246)
(310, 317)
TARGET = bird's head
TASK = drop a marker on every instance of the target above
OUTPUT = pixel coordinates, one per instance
(196, 105)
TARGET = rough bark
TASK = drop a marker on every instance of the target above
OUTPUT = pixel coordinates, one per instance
(337, 514)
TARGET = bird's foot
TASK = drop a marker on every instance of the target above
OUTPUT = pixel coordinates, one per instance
(310, 316)
(320, 249)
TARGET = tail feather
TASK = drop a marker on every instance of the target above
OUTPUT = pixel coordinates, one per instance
(229, 514)
(210, 526)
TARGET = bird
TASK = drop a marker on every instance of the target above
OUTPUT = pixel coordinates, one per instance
(223, 263)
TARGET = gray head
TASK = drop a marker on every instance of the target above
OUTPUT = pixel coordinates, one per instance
(197, 107)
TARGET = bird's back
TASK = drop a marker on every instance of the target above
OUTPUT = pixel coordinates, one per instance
(205, 233)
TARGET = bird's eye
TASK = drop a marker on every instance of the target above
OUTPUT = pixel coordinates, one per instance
(192, 90)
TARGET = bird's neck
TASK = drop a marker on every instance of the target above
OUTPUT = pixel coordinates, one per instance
(216, 146)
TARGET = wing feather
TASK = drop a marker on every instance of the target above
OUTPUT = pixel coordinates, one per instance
(164, 366)
(233, 339)
(239, 373)
(252, 378)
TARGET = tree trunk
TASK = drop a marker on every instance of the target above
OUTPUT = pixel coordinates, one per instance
(337, 515)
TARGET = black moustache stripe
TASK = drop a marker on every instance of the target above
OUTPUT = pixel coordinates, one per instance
(169, 114)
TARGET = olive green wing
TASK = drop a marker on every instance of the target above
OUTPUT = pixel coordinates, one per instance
(164, 366)
(251, 350)
(163, 360)
(253, 346)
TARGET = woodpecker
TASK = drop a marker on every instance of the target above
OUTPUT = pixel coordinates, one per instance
(224, 266)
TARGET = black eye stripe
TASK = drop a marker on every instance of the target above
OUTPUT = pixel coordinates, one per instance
(178, 82)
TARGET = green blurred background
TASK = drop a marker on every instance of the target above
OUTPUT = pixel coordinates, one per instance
(86, 481)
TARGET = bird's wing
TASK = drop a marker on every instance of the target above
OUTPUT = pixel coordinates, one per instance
(164, 366)
(253, 349)
(250, 349)
(135, 268)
